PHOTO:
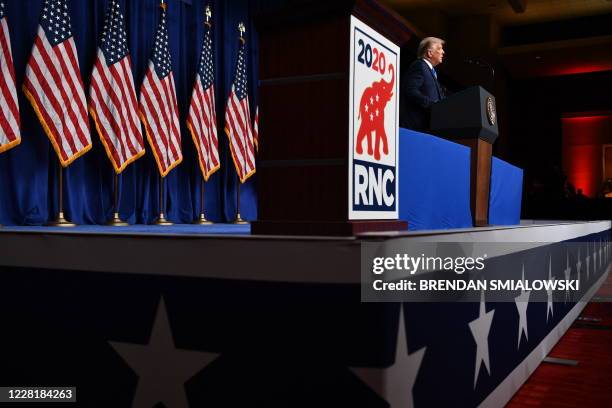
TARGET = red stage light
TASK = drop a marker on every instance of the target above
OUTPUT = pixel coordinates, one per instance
(581, 69)
(583, 139)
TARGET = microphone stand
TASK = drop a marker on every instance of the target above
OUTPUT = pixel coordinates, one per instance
(482, 63)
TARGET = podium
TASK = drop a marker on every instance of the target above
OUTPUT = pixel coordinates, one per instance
(469, 118)
(305, 155)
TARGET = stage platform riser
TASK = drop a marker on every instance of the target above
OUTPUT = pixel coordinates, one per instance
(236, 341)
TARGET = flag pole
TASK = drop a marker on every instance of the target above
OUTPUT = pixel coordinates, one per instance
(60, 221)
(116, 221)
(238, 219)
(161, 220)
(202, 219)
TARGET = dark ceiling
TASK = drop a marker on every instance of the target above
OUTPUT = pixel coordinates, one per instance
(534, 37)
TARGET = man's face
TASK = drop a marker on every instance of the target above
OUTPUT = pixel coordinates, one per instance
(435, 54)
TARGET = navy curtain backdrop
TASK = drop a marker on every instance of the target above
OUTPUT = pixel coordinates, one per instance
(28, 172)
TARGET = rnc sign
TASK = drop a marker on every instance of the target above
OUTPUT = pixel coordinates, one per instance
(373, 125)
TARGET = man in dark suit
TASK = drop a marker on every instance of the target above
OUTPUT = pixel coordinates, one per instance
(419, 88)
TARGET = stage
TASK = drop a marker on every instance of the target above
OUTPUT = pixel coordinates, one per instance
(222, 315)
(214, 316)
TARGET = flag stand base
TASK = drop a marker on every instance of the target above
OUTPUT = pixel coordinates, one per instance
(238, 220)
(61, 221)
(162, 220)
(116, 221)
(202, 220)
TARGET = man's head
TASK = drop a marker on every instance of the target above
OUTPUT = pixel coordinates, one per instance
(431, 49)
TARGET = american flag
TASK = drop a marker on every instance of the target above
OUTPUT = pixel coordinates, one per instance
(9, 115)
(113, 104)
(256, 129)
(238, 122)
(54, 86)
(158, 107)
(202, 119)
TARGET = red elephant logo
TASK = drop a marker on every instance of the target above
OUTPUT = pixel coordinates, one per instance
(372, 115)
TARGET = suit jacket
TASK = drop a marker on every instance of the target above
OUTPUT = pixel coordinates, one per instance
(419, 89)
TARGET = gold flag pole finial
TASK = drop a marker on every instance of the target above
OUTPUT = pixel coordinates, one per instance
(242, 30)
(208, 14)
(163, 5)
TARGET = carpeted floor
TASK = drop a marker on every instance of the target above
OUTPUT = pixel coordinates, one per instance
(588, 384)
